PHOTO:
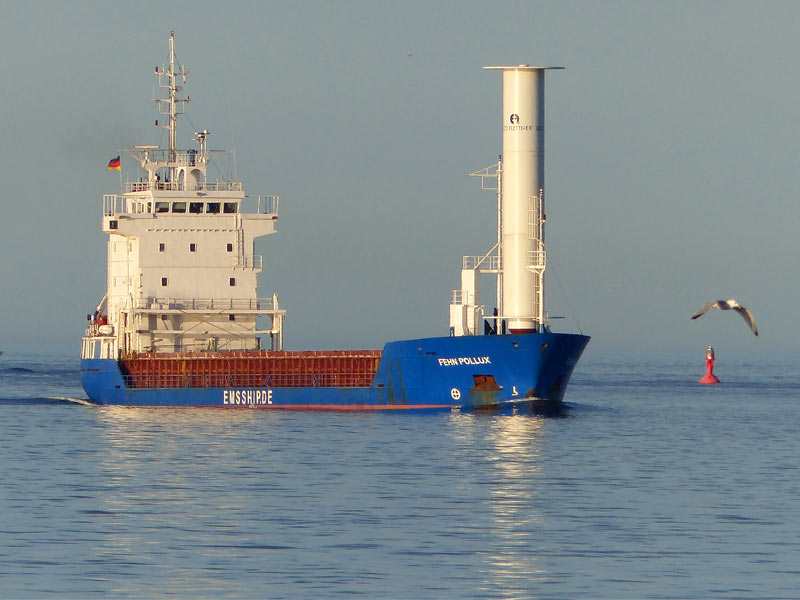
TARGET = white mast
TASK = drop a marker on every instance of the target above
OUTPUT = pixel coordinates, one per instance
(175, 81)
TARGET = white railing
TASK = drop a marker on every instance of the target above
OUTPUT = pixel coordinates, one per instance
(261, 205)
(488, 263)
(178, 186)
(99, 347)
(458, 296)
(181, 158)
(156, 304)
(114, 204)
(537, 259)
(247, 262)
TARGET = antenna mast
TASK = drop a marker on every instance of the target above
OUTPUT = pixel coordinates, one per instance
(174, 80)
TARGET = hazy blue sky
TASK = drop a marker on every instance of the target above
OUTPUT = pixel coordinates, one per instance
(672, 151)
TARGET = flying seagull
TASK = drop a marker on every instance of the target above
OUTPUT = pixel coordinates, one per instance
(728, 305)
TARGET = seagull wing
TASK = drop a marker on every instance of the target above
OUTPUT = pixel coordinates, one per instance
(708, 306)
(748, 317)
(731, 303)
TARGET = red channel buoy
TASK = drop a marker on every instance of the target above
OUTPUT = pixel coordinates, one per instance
(709, 377)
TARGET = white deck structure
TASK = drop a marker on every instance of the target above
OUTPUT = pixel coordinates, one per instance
(182, 273)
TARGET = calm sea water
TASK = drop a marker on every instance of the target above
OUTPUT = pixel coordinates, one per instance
(651, 487)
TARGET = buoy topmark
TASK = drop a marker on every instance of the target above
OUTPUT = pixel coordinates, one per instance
(709, 377)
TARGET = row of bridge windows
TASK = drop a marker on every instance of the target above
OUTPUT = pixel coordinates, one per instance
(197, 208)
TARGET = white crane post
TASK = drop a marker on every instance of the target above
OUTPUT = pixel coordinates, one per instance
(523, 181)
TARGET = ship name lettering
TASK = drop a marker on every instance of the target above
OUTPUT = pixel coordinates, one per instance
(465, 360)
(246, 397)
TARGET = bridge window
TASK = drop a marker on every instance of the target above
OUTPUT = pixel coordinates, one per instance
(230, 207)
(179, 207)
(162, 207)
(196, 208)
(212, 208)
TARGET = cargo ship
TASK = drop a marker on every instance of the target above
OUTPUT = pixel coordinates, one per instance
(182, 323)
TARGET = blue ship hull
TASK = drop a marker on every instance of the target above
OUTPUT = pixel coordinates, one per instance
(440, 373)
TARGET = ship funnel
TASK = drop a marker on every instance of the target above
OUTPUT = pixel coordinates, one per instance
(523, 255)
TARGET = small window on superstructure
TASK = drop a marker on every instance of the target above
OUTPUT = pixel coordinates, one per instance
(192, 247)
(163, 282)
(230, 207)
(230, 247)
(231, 317)
(179, 207)
(212, 208)
(162, 247)
(233, 281)
(162, 207)
(196, 208)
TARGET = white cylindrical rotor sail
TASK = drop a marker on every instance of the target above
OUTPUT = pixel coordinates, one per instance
(523, 196)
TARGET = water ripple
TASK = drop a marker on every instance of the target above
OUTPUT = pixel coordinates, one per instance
(650, 487)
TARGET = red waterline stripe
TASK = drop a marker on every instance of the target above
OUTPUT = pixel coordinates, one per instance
(306, 407)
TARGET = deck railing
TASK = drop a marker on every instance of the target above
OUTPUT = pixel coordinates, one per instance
(255, 261)
(181, 158)
(179, 186)
(537, 259)
(200, 206)
(151, 303)
(486, 263)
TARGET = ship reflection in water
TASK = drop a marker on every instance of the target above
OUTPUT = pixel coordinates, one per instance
(183, 501)
(510, 468)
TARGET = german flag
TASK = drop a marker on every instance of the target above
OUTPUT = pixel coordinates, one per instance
(115, 164)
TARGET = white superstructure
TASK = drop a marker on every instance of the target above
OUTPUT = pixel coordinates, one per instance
(518, 259)
(182, 273)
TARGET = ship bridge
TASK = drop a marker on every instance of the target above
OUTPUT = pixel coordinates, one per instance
(182, 272)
